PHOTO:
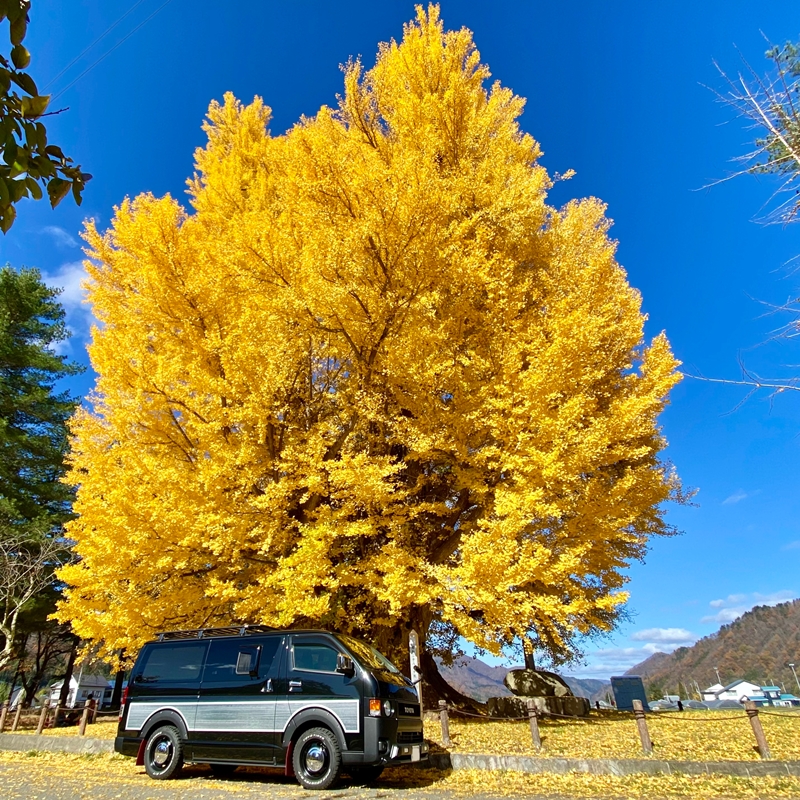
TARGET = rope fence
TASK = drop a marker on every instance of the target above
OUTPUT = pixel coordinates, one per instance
(88, 714)
(640, 717)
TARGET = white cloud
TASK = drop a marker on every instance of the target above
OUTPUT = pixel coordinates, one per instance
(676, 636)
(610, 661)
(792, 546)
(736, 497)
(62, 238)
(69, 278)
(735, 605)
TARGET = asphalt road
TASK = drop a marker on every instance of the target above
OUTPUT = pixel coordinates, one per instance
(38, 779)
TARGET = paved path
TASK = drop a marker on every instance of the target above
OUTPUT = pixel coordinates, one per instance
(32, 779)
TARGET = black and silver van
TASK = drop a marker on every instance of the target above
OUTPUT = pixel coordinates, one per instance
(312, 702)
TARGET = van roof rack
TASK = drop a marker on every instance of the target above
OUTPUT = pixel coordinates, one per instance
(213, 633)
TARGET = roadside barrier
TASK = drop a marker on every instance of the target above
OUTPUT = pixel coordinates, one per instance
(640, 716)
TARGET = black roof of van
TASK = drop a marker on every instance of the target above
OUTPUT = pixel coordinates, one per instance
(232, 630)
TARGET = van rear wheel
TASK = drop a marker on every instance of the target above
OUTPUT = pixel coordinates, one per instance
(365, 775)
(163, 753)
(316, 759)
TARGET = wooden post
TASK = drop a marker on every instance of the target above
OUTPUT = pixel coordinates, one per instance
(755, 722)
(87, 707)
(4, 714)
(15, 723)
(94, 711)
(42, 718)
(56, 712)
(532, 716)
(641, 724)
(445, 723)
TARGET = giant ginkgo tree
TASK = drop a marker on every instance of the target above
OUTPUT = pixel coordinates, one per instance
(370, 382)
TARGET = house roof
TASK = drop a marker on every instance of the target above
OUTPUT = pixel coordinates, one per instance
(87, 682)
(739, 682)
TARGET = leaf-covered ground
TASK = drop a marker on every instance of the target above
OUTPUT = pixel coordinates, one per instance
(60, 776)
(690, 736)
(104, 728)
(687, 736)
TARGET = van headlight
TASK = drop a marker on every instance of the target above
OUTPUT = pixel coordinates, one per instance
(387, 708)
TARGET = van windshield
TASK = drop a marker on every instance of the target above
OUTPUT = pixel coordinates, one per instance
(369, 656)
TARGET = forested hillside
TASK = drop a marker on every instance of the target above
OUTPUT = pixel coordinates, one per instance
(758, 646)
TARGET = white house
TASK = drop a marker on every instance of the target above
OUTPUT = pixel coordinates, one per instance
(738, 690)
(81, 687)
(711, 692)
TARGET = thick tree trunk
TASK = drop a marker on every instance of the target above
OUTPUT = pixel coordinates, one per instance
(527, 649)
(116, 697)
(64, 695)
(436, 688)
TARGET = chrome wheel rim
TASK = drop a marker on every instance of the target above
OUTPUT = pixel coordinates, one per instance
(161, 753)
(315, 757)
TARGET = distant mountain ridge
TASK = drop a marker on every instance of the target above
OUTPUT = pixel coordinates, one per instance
(758, 647)
(476, 679)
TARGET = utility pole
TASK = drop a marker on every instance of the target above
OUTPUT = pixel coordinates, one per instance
(719, 680)
(795, 677)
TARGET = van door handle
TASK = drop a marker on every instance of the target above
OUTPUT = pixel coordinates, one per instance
(267, 687)
(295, 686)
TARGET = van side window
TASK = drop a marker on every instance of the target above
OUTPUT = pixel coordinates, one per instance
(314, 657)
(172, 662)
(232, 660)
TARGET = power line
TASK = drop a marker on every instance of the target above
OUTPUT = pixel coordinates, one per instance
(99, 38)
(118, 44)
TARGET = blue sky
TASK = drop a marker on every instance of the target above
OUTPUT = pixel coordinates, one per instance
(614, 92)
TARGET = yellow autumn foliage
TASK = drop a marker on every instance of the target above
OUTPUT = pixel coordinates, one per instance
(371, 380)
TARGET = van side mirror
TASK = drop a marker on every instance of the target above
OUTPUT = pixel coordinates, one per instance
(344, 664)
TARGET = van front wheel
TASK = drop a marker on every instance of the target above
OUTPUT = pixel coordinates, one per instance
(163, 753)
(316, 759)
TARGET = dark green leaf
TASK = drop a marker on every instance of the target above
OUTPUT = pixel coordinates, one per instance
(55, 151)
(41, 135)
(5, 81)
(19, 28)
(44, 167)
(10, 151)
(5, 197)
(33, 186)
(20, 56)
(77, 188)
(17, 190)
(7, 220)
(57, 189)
(24, 81)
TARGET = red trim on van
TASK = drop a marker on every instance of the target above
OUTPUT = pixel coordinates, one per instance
(288, 769)
(140, 754)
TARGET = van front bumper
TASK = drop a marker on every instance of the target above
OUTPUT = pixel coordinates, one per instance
(408, 753)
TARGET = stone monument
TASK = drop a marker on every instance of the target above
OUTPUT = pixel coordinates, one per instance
(547, 690)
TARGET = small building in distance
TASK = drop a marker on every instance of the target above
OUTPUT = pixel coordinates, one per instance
(81, 688)
(738, 691)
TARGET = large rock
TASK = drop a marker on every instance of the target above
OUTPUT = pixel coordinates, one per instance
(536, 683)
(518, 706)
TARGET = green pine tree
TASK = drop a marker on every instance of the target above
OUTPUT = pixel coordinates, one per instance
(33, 413)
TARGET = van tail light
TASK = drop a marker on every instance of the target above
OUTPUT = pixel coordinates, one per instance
(123, 702)
(374, 707)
